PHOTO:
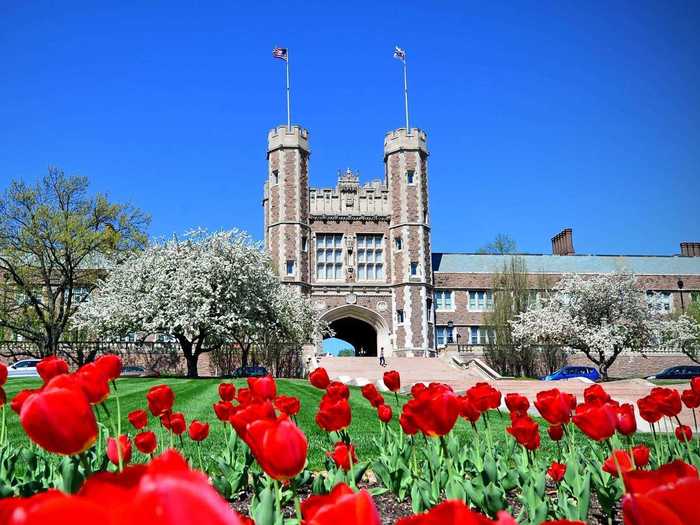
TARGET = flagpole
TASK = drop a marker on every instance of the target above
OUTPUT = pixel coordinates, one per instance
(289, 112)
(405, 94)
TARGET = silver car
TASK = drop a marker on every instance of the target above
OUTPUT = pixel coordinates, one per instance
(23, 368)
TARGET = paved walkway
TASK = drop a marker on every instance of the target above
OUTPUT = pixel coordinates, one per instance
(415, 369)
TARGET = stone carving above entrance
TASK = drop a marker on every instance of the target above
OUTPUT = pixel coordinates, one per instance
(351, 298)
(381, 306)
(319, 305)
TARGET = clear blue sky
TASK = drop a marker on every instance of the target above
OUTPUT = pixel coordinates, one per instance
(540, 116)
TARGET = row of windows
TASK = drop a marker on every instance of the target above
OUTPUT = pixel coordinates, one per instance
(478, 335)
(410, 177)
(478, 300)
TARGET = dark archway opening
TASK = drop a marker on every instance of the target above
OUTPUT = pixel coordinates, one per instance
(361, 335)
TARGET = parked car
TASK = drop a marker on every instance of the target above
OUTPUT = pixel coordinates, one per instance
(250, 371)
(678, 372)
(23, 368)
(571, 372)
(133, 371)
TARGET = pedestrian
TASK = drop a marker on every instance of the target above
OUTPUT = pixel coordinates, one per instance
(382, 361)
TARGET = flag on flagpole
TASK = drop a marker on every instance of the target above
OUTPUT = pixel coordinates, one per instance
(399, 54)
(280, 52)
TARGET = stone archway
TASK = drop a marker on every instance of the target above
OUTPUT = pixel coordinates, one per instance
(361, 327)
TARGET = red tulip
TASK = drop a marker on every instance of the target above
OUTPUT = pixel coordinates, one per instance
(690, 398)
(223, 410)
(417, 390)
(596, 421)
(176, 423)
(3, 374)
(435, 411)
(668, 400)
(664, 496)
(160, 400)
(484, 397)
(618, 461)
(138, 418)
(683, 433)
(50, 367)
(116, 447)
(556, 432)
(371, 394)
(392, 380)
(333, 414)
(555, 406)
(3, 397)
(517, 403)
(596, 395)
(111, 366)
(93, 382)
(640, 453)
(319, 378)
(340, 506)
(244, 396)
(342, 454)
(59, 420)
(454, 512)
(227, 391)
(468, 410)
(279, 446)
(649, 409)
(556, 471)
(337, 390)
(20, 398)
(384, 413)
(695, 385)
(525, 430)
(626, 422)
(288, 405)
(198, 431)
(242, 417)
(262, 388)
(145, 442)
(409, 428)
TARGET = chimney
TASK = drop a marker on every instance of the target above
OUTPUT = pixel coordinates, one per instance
(563, 242)
(690, 249)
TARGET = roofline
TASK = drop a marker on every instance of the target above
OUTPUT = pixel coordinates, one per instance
(555, 255)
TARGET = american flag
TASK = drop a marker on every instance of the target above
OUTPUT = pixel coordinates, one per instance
(399, 53)
(280, 52)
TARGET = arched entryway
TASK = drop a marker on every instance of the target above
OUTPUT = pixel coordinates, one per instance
(364, 329)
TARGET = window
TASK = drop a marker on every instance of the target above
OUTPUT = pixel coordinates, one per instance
(304, 243)
(398, 243)
(443, 300)
(399, 316)
(429, 309)
(695, 297)
(370, 258)
(410, 176)
(480, 335)
(415, 269)
(329, 257)
(444, 335)
(661, 300)
(80, 293)
(480, 300)
(290, 267)
(275, 177)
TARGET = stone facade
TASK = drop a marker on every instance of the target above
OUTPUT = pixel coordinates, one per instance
(362, 252)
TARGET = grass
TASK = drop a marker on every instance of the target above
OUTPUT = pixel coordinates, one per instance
(194, 398)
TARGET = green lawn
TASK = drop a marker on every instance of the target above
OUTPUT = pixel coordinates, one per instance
(194, 398)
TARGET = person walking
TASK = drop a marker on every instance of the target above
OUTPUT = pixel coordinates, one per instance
(382, 361)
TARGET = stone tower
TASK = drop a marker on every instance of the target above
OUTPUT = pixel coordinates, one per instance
(406, 172)
(286, 203)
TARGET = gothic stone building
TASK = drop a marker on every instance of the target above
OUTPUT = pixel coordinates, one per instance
(362, 252)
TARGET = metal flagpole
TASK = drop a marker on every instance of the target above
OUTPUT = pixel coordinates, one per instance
(289, 112)
(405, 94)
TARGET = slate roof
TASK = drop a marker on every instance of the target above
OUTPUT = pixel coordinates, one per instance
(637, 264)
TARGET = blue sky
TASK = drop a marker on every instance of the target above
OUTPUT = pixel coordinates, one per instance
(540, 115)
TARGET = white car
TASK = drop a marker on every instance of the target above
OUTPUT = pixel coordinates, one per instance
(23, 368)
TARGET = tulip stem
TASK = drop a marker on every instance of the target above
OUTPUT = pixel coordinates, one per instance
(199, 454)
(695, 419)
(297, 506)
(278, 499)
(396, 397)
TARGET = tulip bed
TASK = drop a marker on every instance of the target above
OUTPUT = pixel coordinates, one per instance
(83, 447)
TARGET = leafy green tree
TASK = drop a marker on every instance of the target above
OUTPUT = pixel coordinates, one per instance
(502, 244)
(55, 238)
(346, 352)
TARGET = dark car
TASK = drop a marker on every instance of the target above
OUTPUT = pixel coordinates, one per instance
(572, 371)
(678, 372)
(133, 371)
(250, 371)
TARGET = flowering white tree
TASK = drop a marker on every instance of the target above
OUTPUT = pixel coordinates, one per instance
(204, 290)
(681, 334)
(599, 315)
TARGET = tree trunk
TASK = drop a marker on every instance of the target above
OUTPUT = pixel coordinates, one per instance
(192, 365)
